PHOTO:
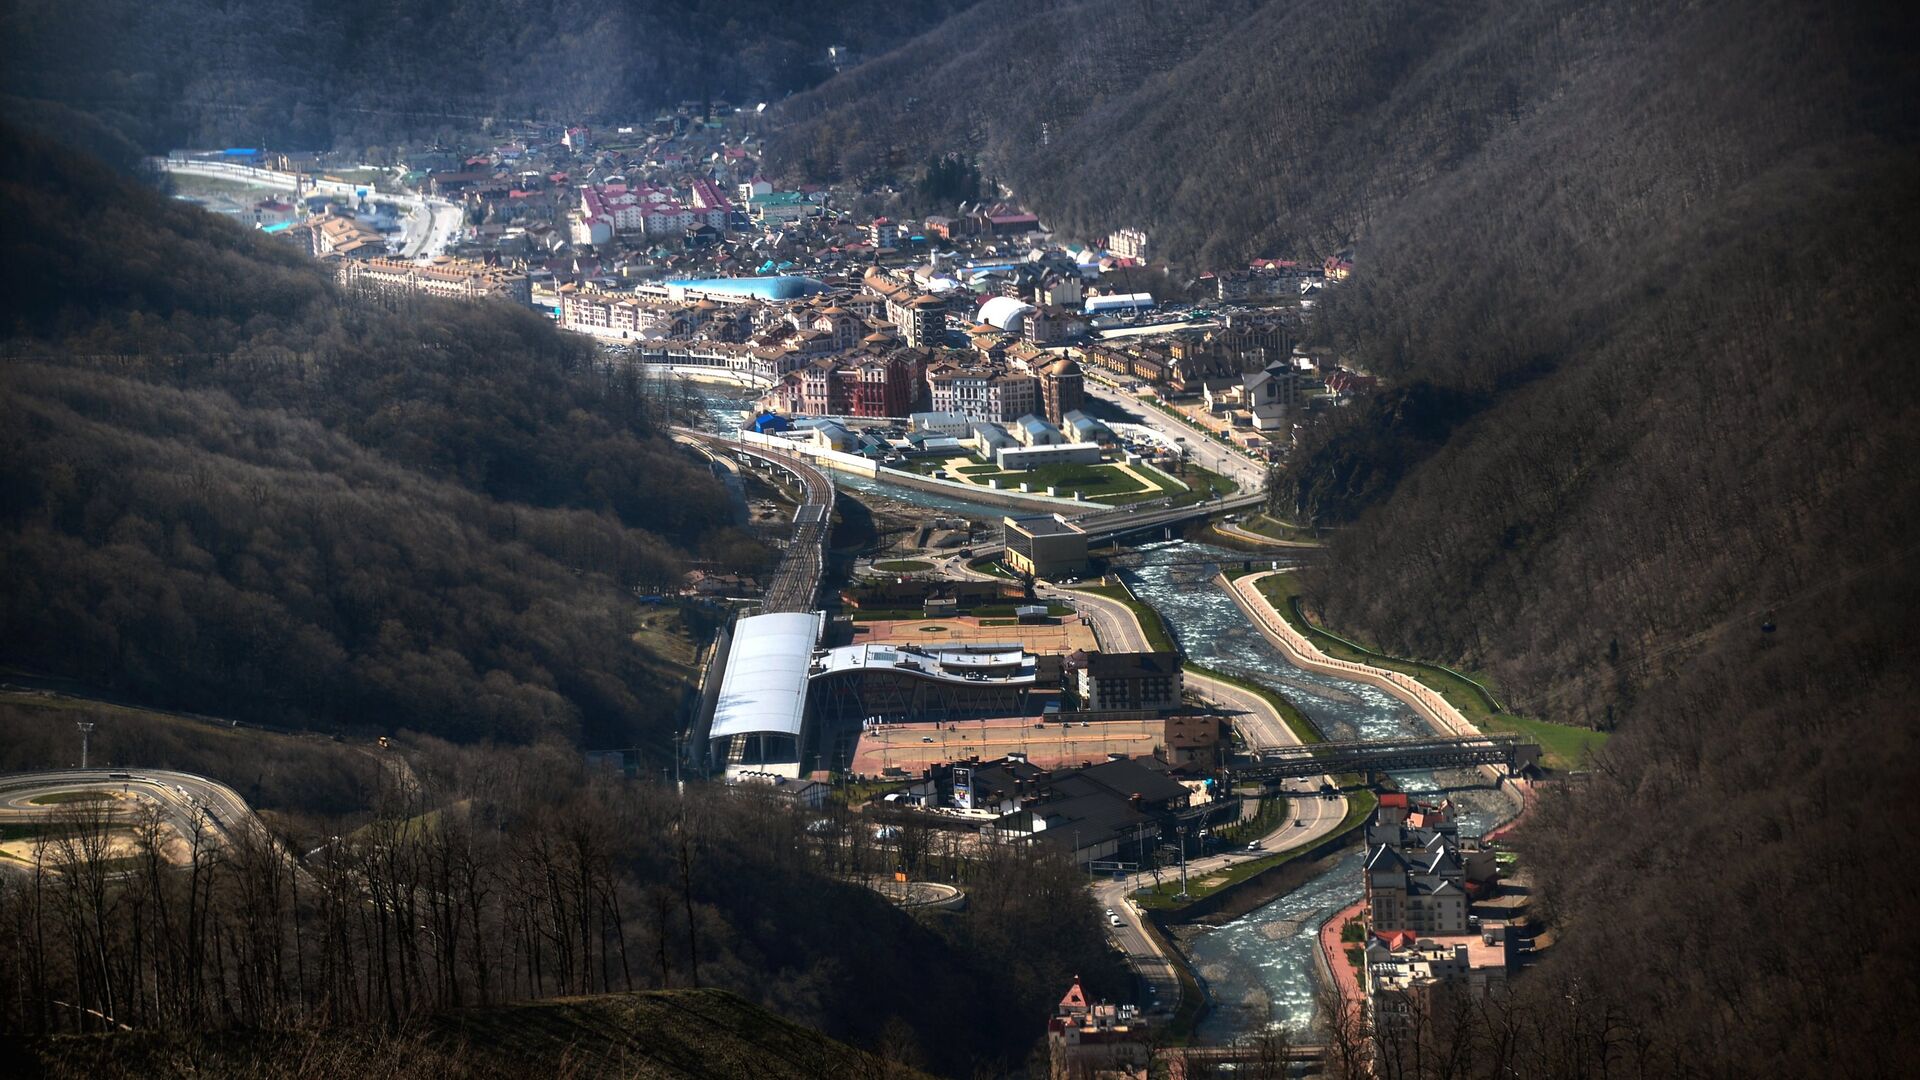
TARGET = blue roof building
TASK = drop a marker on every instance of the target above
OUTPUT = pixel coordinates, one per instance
(775, 287)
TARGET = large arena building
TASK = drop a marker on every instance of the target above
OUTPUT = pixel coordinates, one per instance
(787, 706)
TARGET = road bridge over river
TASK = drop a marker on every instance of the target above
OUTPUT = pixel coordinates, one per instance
(1130, 520)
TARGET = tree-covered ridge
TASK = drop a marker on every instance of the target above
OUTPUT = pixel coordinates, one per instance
(513, 875)
(231, 488)
(310, 74)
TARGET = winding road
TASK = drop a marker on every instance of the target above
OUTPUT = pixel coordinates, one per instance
(431, 225)
(183, 799)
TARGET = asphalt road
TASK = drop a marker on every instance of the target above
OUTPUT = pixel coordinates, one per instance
(1310, 818)
(1316, 818)
(181, 797)
(430, 225)
(1207, 452)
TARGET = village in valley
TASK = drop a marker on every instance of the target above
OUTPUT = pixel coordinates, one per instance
(984, 679)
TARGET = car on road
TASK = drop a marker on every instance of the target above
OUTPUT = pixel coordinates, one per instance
(1255, 846)
(1113, 920)
(1298, 822)
(1110, 913)
(926, 738)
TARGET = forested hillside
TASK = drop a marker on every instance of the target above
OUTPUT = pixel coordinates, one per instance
(308, 74)
(1640, 280)
(498, 876)
(658, 1035)
(230, 488)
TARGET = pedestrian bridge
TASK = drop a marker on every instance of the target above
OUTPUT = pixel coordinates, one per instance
(1377, 756)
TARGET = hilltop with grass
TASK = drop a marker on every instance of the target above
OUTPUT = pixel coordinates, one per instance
(643, 1036)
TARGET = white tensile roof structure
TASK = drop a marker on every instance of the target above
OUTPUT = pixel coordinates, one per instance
(1004, 313)
(764, 690)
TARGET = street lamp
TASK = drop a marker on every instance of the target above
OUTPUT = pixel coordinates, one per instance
(1181, 831)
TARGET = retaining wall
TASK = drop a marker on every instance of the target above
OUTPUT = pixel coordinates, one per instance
(1424, 700)
(1235, 900)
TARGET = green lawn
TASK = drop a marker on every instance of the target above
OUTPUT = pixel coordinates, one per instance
(1274, 528)
(1099, 483)
(1161, 897)
(991, 565)
(1203, 484)
(1102, 483)
(903, 566)
(1563, 745)
(1273, 813)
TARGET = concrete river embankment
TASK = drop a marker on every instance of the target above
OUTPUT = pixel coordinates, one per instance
(1258, 968)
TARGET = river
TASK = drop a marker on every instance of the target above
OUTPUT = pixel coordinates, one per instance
(1258, 968)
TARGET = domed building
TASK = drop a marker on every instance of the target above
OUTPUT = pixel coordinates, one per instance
(1006, 313)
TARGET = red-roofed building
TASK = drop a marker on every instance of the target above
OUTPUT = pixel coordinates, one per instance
(1088, 1040)
(712, 207)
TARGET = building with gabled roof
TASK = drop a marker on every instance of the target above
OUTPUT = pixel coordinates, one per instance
(1419, 876)
(1087, 1039)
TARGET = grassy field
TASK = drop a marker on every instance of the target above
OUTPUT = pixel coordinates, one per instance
(1099, 483)
(1161, 897)
(1564, 745)
(1103, 483)
(853, 793)
(1158, 640)
(642, 1035)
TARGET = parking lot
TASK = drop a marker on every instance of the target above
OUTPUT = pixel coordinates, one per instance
(1048, 744)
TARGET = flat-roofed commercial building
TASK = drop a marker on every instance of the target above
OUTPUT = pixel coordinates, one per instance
(1149, 681)
(1045, 545)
